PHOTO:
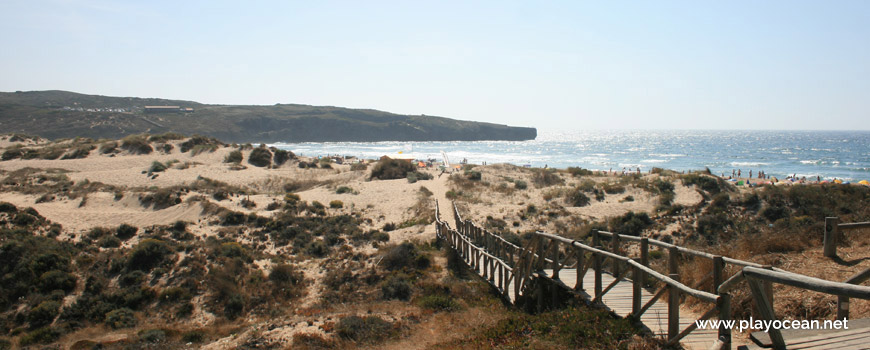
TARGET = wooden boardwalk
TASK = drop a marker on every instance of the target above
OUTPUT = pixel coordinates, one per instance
(619, 301)
(506, 266)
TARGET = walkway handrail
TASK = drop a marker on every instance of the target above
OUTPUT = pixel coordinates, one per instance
(685, 250)
(832, 233)
(807, 282)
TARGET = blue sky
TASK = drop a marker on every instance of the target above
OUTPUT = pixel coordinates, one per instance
(551, 65)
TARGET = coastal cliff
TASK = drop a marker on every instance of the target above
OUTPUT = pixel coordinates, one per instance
(62, 114)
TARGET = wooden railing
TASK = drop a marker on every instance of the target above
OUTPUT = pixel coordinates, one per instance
(833, 233)
(756, 278)
(524, 269)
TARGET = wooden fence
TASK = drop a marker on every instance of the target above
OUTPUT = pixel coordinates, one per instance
(527, 269)
(833, 233)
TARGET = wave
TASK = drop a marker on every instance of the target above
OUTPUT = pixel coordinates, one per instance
(749, 164)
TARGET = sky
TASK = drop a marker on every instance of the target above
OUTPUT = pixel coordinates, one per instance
(554, 65)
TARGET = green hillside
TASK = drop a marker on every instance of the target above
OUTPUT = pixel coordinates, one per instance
(62, 114)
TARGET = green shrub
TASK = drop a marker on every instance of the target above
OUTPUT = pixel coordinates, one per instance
(109, 147)
(343, 189)
(404, 256)
(317, 248)
(195, 336)
(577, 171)
(149, 253)
(126, 231)
(42, 335)
(520, 185)
(285, 274)
(369, 329)
(336, 204)
(439, 303)
(121, 318)
(136, 144)
(576, 198)
(546, 177)
(12, 153)
(396, 288)
(234, 156)
(281, 156)
(57, 280)
(6, 207)
(174, 294)
(43, 314)
(474, 175)
(260, 157)
(196, 140)
(359, 166)
(152, 335)
(387, 169)
(775, 212)
(631, 223)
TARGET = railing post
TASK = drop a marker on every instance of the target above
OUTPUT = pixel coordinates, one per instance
(644, 257)
(596, 240)
(539, 266)
(616, 247)
(724, 304)
(636, 285)
(673, 308)
(596, 265)
(673, 260)
(768, 287)
(718, 269)
(765, 308)
(831, 236)
(554, 253)
(578, 285)
(842, 307)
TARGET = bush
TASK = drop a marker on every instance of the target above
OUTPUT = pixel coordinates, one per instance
(260, 157)
(546, 177)
(317, 248)
(234, 156)
(775, 212)
(404, 256)
(197, 140)
(577, 171)
(439, 303)
(370, 329)
(136, 144)
(195, 336)
(43, 335)
(343, 189)
(387, 169)
(43, 314)
(148, 254)
(631, 223)
(336, 204)
(281, 156)
(520, 185)
(396, 288)
(359, 166)
(126, 231)
(108, 147)
(121, 318)
(285, 274)
(474, 175)
(152, 335)
(57, 280)
(576, 198)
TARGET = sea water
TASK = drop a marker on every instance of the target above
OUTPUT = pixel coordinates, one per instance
(830, 155)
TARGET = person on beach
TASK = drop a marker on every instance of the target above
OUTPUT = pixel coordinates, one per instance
(750, 173)
(738, 173)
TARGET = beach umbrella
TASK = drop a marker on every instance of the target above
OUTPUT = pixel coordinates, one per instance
(864, 182)
(838, 181)
(846, 182)
(732, 180)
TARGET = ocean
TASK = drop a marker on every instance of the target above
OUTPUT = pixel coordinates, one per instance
(830, 155)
